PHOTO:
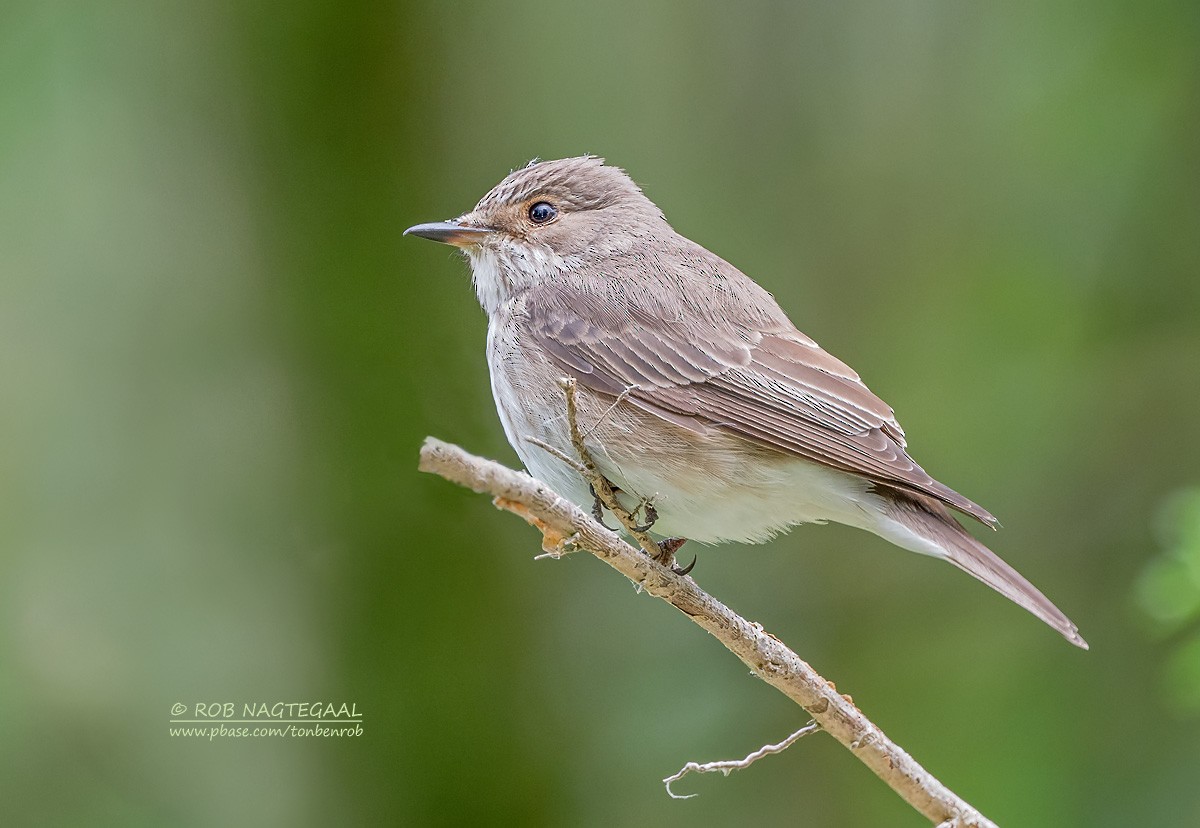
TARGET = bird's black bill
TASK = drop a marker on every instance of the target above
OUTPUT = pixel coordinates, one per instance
(448, 232)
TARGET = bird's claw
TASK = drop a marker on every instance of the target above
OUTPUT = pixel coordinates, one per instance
(598, 508)
(667, 549)
(684, 570)
(647, 508)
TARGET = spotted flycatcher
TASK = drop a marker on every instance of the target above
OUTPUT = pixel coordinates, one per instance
(695, 390)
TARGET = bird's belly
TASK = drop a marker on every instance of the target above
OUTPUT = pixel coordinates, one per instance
(720, 498)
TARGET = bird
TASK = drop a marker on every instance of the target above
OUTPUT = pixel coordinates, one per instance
(695, 391)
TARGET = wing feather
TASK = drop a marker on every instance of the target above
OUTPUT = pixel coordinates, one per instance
(756, 376)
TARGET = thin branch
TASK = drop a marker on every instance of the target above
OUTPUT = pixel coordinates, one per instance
(553, 452)
(728, 766)
(601, 485)
(629, 389)
(564, 526)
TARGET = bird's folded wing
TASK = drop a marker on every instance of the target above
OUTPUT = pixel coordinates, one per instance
(768, 383)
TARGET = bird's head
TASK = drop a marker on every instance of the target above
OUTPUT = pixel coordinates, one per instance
(545, 219)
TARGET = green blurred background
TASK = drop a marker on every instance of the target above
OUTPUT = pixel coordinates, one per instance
(219, 358)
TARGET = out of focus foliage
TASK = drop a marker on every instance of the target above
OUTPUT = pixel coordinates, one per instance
(218, 358)
(1168, 591)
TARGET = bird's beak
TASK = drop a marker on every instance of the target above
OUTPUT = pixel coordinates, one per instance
(450, 232)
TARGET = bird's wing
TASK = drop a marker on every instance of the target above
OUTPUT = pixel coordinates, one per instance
(759, 378)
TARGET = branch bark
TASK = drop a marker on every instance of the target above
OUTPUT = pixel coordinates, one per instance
(566, 527)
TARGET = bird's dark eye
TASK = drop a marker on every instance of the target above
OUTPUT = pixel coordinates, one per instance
(542, 212)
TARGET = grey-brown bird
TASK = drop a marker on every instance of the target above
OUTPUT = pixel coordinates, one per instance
(695, 390)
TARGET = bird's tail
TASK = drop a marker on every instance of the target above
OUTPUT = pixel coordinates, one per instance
(925, 525)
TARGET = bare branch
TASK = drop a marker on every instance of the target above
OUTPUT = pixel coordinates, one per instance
(553, 452)
(727, 766)
(601, 485)
(563, 523)
(620, 399)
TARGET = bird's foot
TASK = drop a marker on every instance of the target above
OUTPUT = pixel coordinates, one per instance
(667, 549)
(646, 507)
(598, 508)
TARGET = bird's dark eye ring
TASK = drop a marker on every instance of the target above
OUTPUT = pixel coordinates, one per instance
(542, 212)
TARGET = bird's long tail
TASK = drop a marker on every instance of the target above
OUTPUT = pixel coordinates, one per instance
(925, 525)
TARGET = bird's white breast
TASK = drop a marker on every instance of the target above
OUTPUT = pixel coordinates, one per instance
(530, 403)
(501, 274)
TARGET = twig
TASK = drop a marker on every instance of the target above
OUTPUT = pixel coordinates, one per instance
(551, 450)
(764, 654)
(629, 389)
(728, 766)
(600, 484)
